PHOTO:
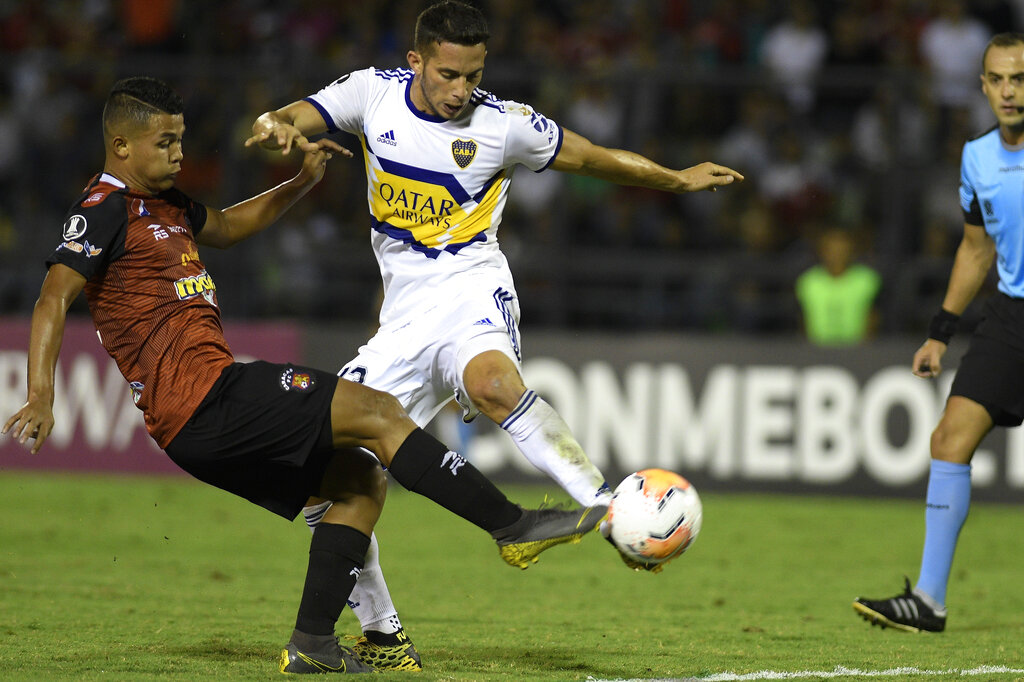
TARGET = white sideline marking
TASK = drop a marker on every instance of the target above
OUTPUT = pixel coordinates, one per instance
(839, 671)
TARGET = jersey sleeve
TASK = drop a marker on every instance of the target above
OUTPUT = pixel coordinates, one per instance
(533, 139)
(968, 195)
(343, 103)
(93, 236)
(195, 212)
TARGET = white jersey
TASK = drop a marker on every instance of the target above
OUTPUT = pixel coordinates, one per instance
(436, 187)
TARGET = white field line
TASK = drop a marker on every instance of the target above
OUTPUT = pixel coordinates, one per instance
(839, 671)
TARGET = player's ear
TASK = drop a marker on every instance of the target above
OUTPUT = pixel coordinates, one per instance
(119, 145)
(415, 61)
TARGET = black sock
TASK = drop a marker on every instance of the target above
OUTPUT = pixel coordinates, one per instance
(336, 555)
(426, 466)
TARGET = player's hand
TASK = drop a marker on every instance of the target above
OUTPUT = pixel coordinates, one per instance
(33, 421)
(273, 135)
(709, 176)
(928, 359)
(277, 135)
(317, 154)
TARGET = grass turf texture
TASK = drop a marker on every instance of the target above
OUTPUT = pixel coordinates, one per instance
(123, 578)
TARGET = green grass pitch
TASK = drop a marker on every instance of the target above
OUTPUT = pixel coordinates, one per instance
(135, 578)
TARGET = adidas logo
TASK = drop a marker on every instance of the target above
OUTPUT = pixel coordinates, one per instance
(388, 138)
(486, 321)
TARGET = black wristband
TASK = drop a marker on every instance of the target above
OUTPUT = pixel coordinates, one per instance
(943, 326)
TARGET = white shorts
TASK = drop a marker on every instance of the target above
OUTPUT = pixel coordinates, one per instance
(420, 360)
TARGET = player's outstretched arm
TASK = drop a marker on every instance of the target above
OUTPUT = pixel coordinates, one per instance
(35, 418)
(581, 156)
(288, 127)
(244, 219)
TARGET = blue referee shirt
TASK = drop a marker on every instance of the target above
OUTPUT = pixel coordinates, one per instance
(992, 194)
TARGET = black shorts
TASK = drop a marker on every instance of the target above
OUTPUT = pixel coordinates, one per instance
(263, 432)
(991, 373)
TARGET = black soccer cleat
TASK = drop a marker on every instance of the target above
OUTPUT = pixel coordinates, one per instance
(907, 612)
(334, 659)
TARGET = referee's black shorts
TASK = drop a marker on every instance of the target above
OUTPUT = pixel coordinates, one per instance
(263, 432)
(991, 373)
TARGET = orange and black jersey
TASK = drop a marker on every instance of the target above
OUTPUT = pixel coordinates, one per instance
(151, 299)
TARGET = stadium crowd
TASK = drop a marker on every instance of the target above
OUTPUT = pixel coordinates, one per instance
(848, 115)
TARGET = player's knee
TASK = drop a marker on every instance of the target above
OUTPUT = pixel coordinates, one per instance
(355, 478)
(384, 406)
(495, 392)
(946, 445)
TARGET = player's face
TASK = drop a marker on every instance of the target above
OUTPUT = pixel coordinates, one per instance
(1003, 84)
(155, 152)
(445, 77)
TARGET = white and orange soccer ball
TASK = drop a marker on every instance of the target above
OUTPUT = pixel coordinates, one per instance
(655, 515)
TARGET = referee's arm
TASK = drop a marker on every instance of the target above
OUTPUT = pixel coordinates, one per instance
(974, 258)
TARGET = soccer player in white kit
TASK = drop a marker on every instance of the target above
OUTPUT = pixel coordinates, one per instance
(440, 155)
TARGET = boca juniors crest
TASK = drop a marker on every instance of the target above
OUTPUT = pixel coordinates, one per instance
(297, 381)
(464, 151)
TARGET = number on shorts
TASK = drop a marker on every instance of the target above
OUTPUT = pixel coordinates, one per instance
(356, 374)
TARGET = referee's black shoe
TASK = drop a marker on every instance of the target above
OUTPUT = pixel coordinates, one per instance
(907, 612)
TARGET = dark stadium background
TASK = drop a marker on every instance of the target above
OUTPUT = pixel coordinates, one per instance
(859, 138)
(839, 114)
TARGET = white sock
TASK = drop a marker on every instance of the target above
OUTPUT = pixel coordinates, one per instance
(314, 513)
(370, 600)
(546, 441)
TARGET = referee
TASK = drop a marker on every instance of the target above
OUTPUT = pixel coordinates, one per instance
(987, 390)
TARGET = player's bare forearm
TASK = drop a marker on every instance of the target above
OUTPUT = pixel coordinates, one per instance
(580, 156)
(246, 218)
(35, 418)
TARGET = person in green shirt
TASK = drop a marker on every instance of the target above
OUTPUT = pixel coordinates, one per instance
(838, 295)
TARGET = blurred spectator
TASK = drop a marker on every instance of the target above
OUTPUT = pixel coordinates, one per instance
(999, 16)
(891, 128)
(837, 296)
(795, 183)
(747, 144)
(596, 112)
(951, 46)
(941, 215)
(850, 134)
(718, 36)
(853, 52)
(151, 25)
(794, 51)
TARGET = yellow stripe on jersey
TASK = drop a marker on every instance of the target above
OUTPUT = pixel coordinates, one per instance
(425, 207)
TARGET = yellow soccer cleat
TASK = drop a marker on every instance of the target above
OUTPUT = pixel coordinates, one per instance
(539, 529)
(384, 655)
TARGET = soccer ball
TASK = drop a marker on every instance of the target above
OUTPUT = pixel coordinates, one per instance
(654, 516)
